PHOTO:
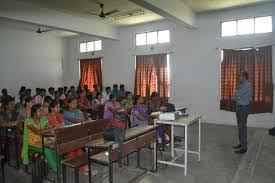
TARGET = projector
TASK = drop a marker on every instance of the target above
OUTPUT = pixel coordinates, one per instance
(168, 116)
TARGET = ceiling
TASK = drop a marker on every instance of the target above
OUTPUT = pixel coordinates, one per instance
(210, 5)
(129, 13)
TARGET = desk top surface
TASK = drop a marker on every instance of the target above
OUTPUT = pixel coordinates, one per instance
(9, 124)
(183, 120)
(130, 133)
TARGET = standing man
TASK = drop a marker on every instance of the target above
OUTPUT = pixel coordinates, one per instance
(242, 98)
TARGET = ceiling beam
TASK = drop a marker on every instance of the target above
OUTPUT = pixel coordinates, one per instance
(174, 10)
(29, 13)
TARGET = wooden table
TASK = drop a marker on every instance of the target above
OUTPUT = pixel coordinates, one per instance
(182, 122)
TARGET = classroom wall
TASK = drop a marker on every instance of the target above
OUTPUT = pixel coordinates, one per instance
(28, 58)
(194, 57)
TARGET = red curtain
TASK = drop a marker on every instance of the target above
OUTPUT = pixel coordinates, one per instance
(258, 64)
(90, 73)
(151, 75)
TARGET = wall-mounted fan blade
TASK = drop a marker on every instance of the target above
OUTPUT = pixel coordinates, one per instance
(40, 31)
(111, 12)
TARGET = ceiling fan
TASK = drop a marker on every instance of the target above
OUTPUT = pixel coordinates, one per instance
(103, 14)
(40, 31)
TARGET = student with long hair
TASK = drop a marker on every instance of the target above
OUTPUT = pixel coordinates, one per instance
(32, 139)
(55, 118)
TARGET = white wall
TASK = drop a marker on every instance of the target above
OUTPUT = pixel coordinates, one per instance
(28, 58)
(195, 60)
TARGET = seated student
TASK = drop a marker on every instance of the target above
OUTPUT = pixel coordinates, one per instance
(55, 118)
(72, 92)
(97, 107)
(139, 113)
(155, 105)
(106, 94)
(72, 114)
(115, 131)
(127, 102)
(121, 92)
(62, 96)
(115, 91)
(95, 91)
(154, 102)
(45, 109)
(51, 92)
(9, 111)
(97, 102)
(32, 140)
(83, 102)
(28, 92)
(37, 99)
(111, 106)
(25, 112)
(5, 96)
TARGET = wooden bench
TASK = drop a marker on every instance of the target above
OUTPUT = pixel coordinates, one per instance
(10, 133)
(68, 139)
(135, 139)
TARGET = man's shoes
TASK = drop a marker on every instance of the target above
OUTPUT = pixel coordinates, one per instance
(237, 146)
(241, 151)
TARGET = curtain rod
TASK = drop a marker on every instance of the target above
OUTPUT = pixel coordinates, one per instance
(257, 46)
(170, 52)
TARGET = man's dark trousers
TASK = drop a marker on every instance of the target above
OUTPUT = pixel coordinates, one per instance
(242, 114)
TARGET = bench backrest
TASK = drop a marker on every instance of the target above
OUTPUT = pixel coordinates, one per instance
(77, 136)
(134, 144)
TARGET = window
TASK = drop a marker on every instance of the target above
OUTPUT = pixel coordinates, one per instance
(83, 47)
(263, 24)
(141, 39)
(90, 73)
(152, 37)
(247, 26)
(258, 64)
(152, 75)
(155, 37)
(90, 46)
(164, 36)
(229, 28)
(98, 45)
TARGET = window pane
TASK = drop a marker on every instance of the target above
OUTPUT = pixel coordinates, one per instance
(90, 46)
(245, 26)
(83, 47)
(164, 36)
(152, 37)
(98, 45)
(263, 24)
(140, 39)
(229, 28)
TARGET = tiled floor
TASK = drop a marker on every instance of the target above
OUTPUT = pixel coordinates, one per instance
(219, 163)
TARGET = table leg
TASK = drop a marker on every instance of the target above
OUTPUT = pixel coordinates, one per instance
(199, 139)
(172, 142)
(185, 149)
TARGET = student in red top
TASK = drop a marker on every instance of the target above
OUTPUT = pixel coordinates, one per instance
(55, 118)
(83, 102)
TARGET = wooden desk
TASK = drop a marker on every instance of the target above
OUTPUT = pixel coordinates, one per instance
(182, 122)
(135, 139)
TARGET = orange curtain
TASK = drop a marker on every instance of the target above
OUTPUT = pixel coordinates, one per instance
(90, 73)
(151, 75)
(258, 64)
